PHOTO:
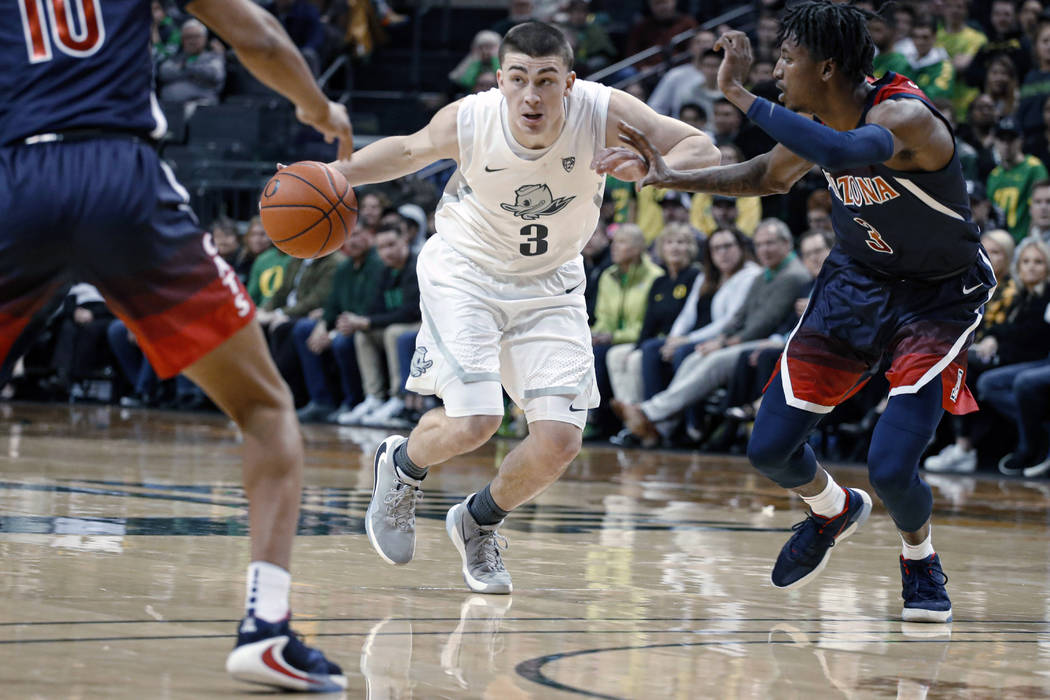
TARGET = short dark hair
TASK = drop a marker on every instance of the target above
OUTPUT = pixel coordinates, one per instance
(696, 106)
(1040, 185)
(829, 30)
(537, 39)
(827, 237)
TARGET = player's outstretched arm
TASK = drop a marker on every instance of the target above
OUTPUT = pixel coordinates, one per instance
(397, 156)
(265, 49)
(679, 144)
(770, 173)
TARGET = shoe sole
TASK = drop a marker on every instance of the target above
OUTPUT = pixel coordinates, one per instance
(865, 511)
(923, 615)
(472, 583)
(372, 503)
(247, 663)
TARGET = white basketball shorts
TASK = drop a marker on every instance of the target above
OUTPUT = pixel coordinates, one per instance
(528, 334)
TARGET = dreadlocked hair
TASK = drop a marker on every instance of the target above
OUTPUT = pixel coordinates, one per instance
(831, 30)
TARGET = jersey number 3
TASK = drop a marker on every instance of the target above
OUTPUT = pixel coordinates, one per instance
(536, 240)
(875, 240)
(75, 26)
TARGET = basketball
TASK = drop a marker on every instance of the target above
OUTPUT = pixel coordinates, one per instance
(308, 209)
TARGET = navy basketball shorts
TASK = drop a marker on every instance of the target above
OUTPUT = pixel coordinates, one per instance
(108, 212)
(856, 317)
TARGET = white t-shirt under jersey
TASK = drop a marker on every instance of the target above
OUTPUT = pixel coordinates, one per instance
(517, 211)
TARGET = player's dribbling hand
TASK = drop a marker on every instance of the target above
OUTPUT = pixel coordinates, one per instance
(334, 125)
(736, 63)
(657, 172)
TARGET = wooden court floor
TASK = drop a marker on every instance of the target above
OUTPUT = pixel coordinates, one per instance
(639, 575)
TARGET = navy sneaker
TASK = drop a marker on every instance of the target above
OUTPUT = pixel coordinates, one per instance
(806, 553)
(272, 654)
(922, 587)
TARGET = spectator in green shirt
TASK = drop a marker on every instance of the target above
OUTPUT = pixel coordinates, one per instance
(267, 271)
(1011, 183)
(932, 68)
(316, 340)
(887, 59)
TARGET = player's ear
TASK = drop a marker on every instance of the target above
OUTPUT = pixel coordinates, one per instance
(827, 69)
(499, 78)
(569, 80)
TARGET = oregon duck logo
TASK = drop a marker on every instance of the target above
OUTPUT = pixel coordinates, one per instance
(533, 201)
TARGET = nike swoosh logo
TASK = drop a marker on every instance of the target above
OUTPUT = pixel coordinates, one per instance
(968, 290)
(493, 170)
(576, 410)
(570, 291)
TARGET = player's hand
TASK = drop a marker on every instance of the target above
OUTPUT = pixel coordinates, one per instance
(620, 162)
(657, 174)
(334, 124)
(736, 63)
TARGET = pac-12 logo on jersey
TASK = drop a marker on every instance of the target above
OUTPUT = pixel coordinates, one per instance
(533, 201)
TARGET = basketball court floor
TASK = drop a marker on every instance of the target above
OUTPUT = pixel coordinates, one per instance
(642, 574)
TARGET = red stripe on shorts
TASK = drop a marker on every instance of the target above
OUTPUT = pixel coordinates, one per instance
(178, 337)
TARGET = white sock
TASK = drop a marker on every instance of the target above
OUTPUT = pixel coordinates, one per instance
(268, 588)
(829, 502)
(918, 551)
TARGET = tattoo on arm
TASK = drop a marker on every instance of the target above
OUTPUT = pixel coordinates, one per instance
(739, 179)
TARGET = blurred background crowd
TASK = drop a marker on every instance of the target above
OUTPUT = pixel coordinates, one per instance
(691, 296)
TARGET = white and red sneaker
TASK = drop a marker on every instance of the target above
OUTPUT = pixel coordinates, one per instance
(272, 654)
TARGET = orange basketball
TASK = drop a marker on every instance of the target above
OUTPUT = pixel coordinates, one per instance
(308, 209)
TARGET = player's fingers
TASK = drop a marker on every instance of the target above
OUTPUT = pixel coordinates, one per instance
(346, 147)
(281, 166)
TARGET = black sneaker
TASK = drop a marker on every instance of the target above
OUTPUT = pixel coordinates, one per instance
(922, 587)
(806, 553)
(272, 654)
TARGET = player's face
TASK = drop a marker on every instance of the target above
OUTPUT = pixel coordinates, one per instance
(797, 76)
(1040, 207)
(1031, 267)
(535, 88)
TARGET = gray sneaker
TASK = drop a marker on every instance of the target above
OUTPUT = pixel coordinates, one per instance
(390, 520)
(479, 547)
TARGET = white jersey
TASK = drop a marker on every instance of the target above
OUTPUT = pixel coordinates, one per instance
(515, 211)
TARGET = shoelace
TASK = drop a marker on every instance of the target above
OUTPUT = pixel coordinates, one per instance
(927, 580)
(491, 543)
(809, 550)
(401, 505)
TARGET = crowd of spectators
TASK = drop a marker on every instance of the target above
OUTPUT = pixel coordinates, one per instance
(691, 297)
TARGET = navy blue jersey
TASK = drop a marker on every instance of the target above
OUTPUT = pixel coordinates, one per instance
(76, 64)
(909, 225)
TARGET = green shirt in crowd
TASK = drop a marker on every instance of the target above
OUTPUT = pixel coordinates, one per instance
(353, 287)
(267, 274)
(1011, 189)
